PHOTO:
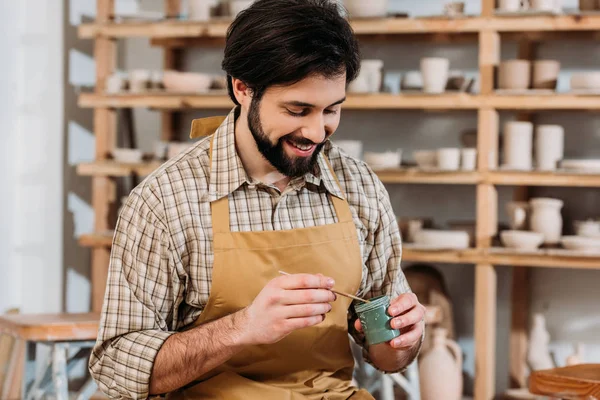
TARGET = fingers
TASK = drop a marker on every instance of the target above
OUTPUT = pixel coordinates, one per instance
(306, 310)
(402, 303)
(409, 338)
(298, 323)
(304, 281)
(306, 296)
(358, 325)
(411, 317)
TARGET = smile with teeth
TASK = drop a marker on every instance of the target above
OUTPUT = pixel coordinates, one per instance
(303, 147)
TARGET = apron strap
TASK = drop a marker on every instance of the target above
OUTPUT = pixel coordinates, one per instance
(219, 209)
(342, 208)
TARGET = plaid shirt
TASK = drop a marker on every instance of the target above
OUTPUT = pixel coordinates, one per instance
(161, 262)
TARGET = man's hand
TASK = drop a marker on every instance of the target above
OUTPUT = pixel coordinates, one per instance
(408, 316)
(285, 304)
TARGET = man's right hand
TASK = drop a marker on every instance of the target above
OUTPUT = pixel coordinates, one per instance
(285, 304)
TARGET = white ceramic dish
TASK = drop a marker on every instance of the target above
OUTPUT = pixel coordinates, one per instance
(425, 158)
(366, 9)
(443, 239)
(522, 240)
(129, 156)
(589, 228)
(353, 148)
(585, 80)
(388, 159)
(581, 243)
(186, 82)
(589, 165)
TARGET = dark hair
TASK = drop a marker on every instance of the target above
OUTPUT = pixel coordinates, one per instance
(281, 42)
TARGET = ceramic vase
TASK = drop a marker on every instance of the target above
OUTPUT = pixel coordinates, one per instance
(545, 74)
(517, 145)
(434, 71)
(538, 355)
(514, 74)
(549, 146)
(517, 213)
(547, 219)
(440, 369)
(577, 357)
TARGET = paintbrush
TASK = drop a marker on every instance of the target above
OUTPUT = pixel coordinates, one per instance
(336, 292)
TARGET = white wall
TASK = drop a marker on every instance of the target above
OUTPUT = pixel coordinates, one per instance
(31, 103)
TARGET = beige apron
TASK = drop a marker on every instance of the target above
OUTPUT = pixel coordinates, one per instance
(310, 363)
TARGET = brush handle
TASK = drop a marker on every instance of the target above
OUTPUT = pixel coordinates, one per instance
(336, 292)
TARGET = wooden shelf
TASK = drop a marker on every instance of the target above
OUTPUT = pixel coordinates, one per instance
(551, 101)
(555, 178)
(116, 169)
(100, 239)
(450, 101)
(467, 256)
(413, 175)
(377, 26)
(553, 260)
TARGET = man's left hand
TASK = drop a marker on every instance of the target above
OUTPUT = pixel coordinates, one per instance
(407, 315)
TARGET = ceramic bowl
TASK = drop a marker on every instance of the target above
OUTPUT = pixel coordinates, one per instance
(186, 82)
(591, 165)
(585, 80)
(127, 155)
(465, 226)
(581, 243)
(522, 240)
(353, 148)
(366, 9)
(425, 158)
(589, 228)
(388, 159)
(443, 239)
(411, 80)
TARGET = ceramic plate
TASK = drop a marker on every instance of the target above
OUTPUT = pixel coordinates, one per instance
(583, 165)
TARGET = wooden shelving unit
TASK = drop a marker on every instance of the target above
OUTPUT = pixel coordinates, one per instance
(173, 35)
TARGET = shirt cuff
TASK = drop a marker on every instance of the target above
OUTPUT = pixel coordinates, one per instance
(132, 359)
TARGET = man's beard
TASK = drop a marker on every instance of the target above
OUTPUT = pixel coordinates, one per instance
(275, 154)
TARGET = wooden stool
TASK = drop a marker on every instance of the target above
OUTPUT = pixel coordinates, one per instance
(60, 333)
(574, 382)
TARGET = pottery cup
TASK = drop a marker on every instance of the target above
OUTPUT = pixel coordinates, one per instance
(434, 71)
(549, 146)
(544, 5)
(448, 159)
(518, 145)
(468, 159)
(514, 74)
(545, 74)
(510, 5)
(375, 320)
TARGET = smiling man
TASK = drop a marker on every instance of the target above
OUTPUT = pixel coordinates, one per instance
(196, 306)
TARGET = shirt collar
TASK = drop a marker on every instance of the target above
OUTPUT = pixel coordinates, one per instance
(227, 172)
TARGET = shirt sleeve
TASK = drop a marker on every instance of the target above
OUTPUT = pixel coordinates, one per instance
(383, 264)
(142, 295)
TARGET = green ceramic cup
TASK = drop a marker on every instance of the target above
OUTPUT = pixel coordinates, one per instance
(375, 320)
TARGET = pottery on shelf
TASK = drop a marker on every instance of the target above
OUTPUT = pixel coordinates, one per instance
(581, 243)
(187, 82)
(577, 357)
(160, 149)
(454, 9)
(448, 159)
(464, 226)
(369, 78)
(546, 5)
(517, 145)
(443, 239)
(139, 80)
(353, 148)
(129, 156)
(366, 9)
(510, 5)
(518, 212)
(201, 10)
(588, 228)
(468, 159)
(549, 146)
(521, 240)
(545, 74)
(425, 158)
(115, 83)
(546, 218)
(411, 80)
(440, 369)
(434, 71)
(409, 226)
(383, 160)
(589, 80)
(514, 74)
(538, 354)
(581, 165)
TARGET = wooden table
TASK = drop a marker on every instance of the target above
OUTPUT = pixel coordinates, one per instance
(573, 382)
(60, 333)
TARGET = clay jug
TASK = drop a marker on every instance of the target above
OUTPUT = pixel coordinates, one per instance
(538, 355)
(440, 369)
(547, 219)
